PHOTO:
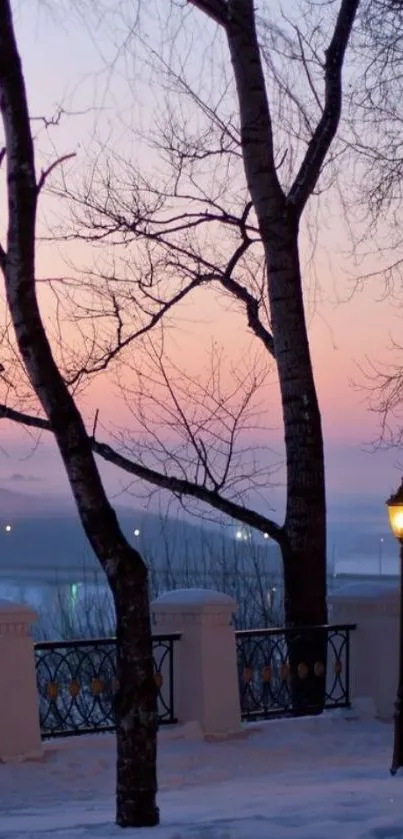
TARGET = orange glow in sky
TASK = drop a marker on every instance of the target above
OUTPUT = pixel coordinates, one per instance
(343, 335)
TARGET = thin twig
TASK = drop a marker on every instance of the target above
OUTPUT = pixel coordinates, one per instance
(46, 172)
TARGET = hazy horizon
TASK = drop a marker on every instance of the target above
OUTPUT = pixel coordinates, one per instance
(345, 329)
(353, 471)
(44, 530)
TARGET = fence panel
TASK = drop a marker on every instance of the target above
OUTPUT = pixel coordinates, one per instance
(77, 684)
(265, 675)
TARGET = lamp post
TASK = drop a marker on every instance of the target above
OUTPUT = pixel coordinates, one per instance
(395, 510)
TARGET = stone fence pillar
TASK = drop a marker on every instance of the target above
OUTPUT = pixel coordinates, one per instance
(20, 736)
(206, 686)
(374, 656)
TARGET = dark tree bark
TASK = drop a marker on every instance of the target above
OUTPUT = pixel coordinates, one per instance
(302, 537)
(304, 550)
(135, 706)
(126, 573)
(304, 534)
(304, 547)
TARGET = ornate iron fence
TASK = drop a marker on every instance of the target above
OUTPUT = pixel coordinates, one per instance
(266, 675)
(77, 684)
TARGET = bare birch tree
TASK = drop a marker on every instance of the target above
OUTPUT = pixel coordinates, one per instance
(303, 535)
(267, 217)
(275, 312)
(136, 713)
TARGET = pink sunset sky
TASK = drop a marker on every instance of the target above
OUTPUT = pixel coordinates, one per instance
(65, 64)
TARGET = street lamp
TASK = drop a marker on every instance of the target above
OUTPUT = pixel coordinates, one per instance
(395, 510)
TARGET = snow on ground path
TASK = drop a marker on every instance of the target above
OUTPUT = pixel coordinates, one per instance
(321, 778)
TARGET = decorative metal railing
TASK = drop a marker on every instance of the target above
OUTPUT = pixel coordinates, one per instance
(77, 684)
(270, 670)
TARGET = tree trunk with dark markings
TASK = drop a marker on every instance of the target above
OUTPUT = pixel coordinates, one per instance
(304, 547)
(126, 573)
(303, 541)
(135, 706)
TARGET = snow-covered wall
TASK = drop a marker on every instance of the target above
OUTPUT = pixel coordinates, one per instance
(374, 662)
(20, 736)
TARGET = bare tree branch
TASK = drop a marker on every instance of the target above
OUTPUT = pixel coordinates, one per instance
(46, 172)
(204, 418)
(252, 310)
(217, 10)
(166, 258)
(3, 258)
(178, 486)
(241, 293)
(325, 131)
(103, 362)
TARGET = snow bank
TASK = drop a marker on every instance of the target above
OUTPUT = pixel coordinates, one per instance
(318, 778)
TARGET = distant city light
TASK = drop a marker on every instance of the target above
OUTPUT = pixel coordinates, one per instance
(8, 528)
(136, 532)
(266, 536)
(270, 595)
(239, 534)
(73, 593)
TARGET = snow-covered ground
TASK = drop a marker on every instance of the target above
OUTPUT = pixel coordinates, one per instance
(323, 778)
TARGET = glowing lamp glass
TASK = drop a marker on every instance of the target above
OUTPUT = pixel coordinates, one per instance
(396, 519)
